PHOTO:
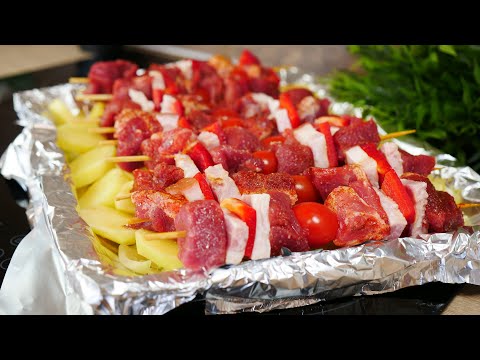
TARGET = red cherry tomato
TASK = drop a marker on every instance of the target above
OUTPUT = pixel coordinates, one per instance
(320, 222)
(269, 161)
(269, 141)
(305, 189)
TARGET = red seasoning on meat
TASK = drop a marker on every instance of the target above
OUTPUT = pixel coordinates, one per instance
(159, 207)
(358, 222)
(249, 182)
(163, 175)
(161, 145)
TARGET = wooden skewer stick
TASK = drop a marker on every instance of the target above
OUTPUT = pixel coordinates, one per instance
(281, 67)
(78, 80)
(123, 197)
(135, 220)
(166, 235)
(101, 130)
(465, 206)
(108, 142)
(133, 158)
(86, 121)
(397, 134)
(94, 97)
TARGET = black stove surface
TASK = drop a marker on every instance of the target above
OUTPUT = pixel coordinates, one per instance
(422, 300)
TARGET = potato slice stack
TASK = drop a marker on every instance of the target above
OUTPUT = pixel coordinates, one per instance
(97, 183)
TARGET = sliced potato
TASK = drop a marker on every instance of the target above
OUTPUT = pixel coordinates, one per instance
(75, 138)
(59, 111)
(70, 156)
(125, 204)
(90, 166)
(109, 223)
(104, 190)
(97, 110)
(129, 258)
(164, 253)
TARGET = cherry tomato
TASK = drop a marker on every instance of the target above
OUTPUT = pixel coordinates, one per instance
(232, 121)
(269, 161)
(269, 141)
(306, 191)
(320, 222)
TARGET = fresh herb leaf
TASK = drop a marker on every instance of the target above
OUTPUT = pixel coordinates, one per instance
(432, 88)
(448, 49)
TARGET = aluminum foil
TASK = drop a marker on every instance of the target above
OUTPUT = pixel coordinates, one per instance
(60, 267)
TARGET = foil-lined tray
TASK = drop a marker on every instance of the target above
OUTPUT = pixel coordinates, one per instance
(56, 269)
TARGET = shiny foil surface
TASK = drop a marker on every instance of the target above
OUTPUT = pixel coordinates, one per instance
(59, 268)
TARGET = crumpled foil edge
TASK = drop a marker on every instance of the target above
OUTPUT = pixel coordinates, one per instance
(74, 281)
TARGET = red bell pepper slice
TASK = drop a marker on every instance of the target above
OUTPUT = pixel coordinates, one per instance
(287, 104)
(247, 58)
(382, 163)
(332, 120)
(324, 128)
(184, 123)
(216, 128)
(157, 96)
(392, 186)
(232, 121)
(178, 108)
(204, 186)
(200, 156)
(247, 214)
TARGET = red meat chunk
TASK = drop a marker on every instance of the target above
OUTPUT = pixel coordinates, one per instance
(205, 77)
(140, 83)
(357, 133)
(326, 180)
(241, 139)
(131, 128)
(234, 160)
(292, 157)
(420, 164)
(103, 74)
(163, 175)
(200, 119)
(297, 94)
(113, 108)
(249, 182)
(285, 231)
(310, 108)
(358, 222)
(158, 208)
(205, 245)
(442, 213)
(161, 145)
